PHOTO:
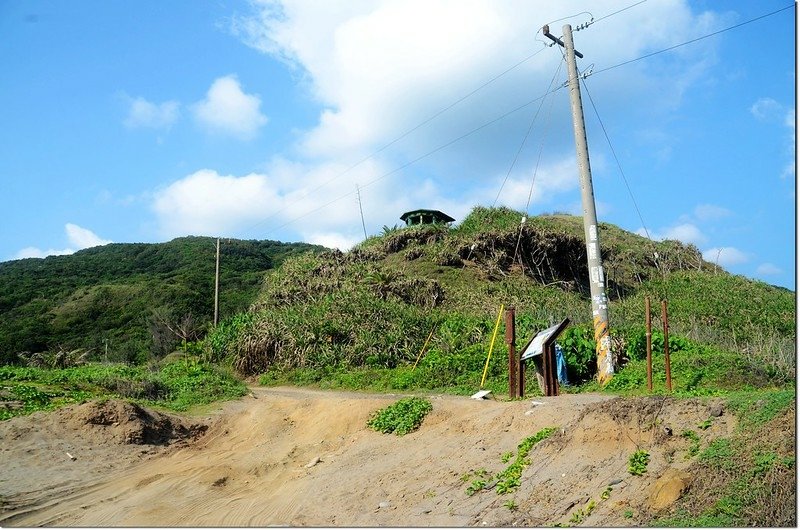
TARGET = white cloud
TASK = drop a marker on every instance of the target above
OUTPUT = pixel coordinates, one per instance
(788, 170)
(290, 200)
(142, 113)
(725, 256)
(378, 68)
(550, 180)
(33, 252)
(710, 212)
(206, 203)
(83, 237)
(771, 111)
(228, 110)
(78, 238)
(334, 240)
(768, 269)
(376, 77)
(789, 121)
(766, 109)
(685, 232)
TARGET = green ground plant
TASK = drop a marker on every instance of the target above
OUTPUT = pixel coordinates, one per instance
(509, 479)
(177, 385)
(128, 302)
(401, 417)
(358, 320)
(694, 443)
(637, 463)
(476, 486)
(321, 317)
(748, 478)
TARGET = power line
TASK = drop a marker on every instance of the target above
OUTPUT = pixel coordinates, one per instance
(627, 186)
(591, 20)
(405, 134)
(541, 150)
(527, 134)
(535, 173)
(616, 159)
(421, 157)
(439, 113)
(696, 39)
(618, 12)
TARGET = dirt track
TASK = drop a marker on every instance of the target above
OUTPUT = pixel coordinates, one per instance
(253, 466)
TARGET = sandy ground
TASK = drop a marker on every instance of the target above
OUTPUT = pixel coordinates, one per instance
(299, 457)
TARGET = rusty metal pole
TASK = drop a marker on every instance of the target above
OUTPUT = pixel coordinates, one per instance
(512, 354)
(649, 336)
(666, 344)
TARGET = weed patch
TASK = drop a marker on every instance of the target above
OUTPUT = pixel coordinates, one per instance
(637, 463)
(748, 479)
(175, 386)
(509, 479)
(402, 417)
(694, 443)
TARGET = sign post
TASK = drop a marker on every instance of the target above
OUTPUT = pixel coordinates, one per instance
(543, 344)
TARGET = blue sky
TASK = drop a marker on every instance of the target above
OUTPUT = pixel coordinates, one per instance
(145, 121)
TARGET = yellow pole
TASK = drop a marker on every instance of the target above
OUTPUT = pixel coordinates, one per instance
(491, 346)
(423, 348)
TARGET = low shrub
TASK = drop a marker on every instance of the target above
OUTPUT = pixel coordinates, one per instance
(402, 417)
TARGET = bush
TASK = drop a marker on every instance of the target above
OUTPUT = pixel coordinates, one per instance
(178, 385)
(220, 342)
(580, 353)
(402, 417)
(637, 463)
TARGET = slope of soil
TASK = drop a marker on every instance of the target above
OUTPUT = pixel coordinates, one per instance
(51, 455)
(288, 456)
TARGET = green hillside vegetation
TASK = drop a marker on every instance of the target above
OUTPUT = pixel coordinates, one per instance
(361, 318)
(140, 300)
(176, 384)
(414, 310)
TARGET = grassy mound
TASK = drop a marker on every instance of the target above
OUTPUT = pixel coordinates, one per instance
(360, 319)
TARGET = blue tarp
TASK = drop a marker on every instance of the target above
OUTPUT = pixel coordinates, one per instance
(561, 365)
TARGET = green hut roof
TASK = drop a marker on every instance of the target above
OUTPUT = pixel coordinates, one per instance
(430, 216)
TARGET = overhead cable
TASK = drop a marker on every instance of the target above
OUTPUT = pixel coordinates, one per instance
(405, 134)
(421, 157)
(527, 134)
(696, 39)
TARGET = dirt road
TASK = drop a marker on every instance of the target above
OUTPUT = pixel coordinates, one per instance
(289, 456)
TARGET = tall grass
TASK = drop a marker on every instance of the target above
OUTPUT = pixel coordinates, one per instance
(374, 306)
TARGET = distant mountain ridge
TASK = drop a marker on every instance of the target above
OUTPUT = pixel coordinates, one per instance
(127, 296)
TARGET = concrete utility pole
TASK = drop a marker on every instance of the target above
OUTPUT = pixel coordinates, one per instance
(216, 289)
(605, 363)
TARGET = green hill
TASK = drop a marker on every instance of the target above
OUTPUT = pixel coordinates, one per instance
(135, 299)
(374, 307)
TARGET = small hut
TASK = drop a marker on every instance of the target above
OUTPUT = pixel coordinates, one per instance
(425, 217)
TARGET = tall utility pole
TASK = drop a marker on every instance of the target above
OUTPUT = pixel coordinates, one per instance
(605, 362)
(216, 289)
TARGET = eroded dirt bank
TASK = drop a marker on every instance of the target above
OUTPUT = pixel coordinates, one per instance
(288, 456)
